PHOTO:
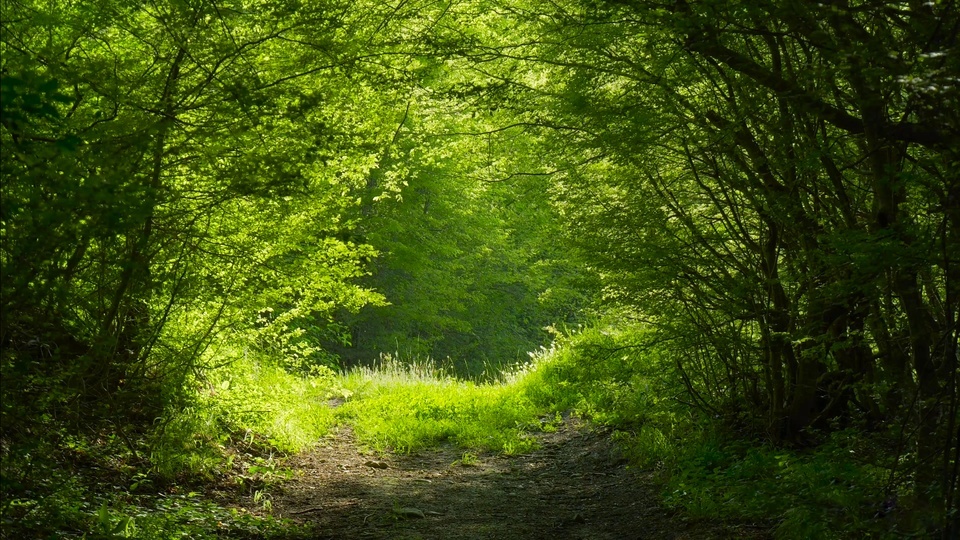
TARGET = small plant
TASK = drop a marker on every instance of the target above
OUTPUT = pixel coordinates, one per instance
(140, 481)
(268, 470)
(262, 498)
(109, 525)
(467, 459)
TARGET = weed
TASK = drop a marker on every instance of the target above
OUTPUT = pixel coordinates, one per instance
(109, 524)
(467, 459)
(262, 497)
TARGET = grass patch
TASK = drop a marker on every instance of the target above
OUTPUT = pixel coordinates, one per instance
(289, 411)
(406, 407)
(823, 493)
(251, 400)
(189, 516)
(90, 489)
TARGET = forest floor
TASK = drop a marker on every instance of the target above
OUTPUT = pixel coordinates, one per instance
(576, 486)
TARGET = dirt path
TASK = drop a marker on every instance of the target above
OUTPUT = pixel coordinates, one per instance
(577, 486)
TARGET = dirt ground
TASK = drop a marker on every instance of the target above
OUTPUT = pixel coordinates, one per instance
(577, 486)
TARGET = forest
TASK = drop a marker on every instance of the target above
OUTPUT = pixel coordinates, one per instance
(723, 235)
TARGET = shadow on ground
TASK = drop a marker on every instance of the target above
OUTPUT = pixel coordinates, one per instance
(577, 486)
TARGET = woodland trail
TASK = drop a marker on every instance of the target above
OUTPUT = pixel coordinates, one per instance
(576, 486)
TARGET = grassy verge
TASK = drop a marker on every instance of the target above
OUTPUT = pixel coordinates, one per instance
(204, 471)
(842, 488)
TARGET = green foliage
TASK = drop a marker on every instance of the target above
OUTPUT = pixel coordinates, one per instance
(290, 411)
(765, 185)
(185, 516)
(842, 488)
(58, 503)
(93, 486)
(609, 372)
(189, 516)
(208, 206)
(250, 399)
(600, 373)
(467, 253)
(90, 496)
(829, 492)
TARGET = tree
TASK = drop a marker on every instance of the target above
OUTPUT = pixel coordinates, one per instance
(773, 186)
(171, 172)
(467, 257)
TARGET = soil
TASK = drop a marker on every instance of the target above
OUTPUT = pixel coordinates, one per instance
(576, 486)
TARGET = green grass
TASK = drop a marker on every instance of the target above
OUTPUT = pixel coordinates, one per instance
(251, 400)
(406, 407)
(83, 485)
(290, 411)
(186, 516)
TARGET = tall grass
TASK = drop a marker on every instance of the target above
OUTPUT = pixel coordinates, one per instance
(250, 399)
(405, 406)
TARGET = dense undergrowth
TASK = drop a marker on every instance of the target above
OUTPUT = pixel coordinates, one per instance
(199, 474)
(841, 484)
